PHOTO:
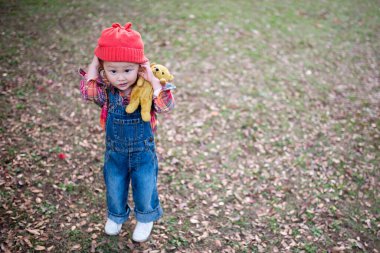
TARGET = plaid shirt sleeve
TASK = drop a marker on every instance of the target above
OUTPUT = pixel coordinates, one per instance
(92, 90)
(164, 102)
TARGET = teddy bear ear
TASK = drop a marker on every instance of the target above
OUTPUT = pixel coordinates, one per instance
(152, 64)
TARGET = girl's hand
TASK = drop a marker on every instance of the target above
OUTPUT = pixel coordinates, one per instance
(147, 74)
(93, 69)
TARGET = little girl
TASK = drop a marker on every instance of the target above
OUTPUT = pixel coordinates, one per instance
(130, 149)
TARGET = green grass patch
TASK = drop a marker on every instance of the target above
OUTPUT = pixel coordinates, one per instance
(69, 188)
(178, 242)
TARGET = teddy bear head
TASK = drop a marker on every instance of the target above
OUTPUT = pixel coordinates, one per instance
(162, 73)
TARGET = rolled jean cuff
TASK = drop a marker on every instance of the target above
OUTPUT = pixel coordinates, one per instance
(119, 219)
(149, 216)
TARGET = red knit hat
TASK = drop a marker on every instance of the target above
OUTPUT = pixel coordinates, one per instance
(120, 44)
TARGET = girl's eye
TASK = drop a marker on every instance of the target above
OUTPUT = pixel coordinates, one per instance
(127, 70)
(113, 71)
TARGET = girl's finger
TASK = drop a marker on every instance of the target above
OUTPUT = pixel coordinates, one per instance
(145, 64)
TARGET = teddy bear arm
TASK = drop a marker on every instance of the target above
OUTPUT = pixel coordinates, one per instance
(146, 102)
(162, 81)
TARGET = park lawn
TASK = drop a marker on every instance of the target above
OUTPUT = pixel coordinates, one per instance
(273, 145)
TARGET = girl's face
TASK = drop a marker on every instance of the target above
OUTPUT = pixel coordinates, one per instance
(121, 74)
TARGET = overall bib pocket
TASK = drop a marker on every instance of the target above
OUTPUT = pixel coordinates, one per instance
(128, 129)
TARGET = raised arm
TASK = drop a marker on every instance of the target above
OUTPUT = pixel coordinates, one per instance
(91, 87)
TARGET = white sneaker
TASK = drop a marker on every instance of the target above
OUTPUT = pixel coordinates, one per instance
(142, 231)
(112, 228)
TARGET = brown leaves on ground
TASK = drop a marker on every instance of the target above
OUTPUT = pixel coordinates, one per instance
(273, 145)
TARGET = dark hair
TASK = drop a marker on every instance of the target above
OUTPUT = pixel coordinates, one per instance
(101, 65)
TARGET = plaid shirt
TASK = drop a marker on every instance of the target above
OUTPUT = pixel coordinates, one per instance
(96, 91)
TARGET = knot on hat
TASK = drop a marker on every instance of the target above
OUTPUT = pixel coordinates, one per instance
(128, 25)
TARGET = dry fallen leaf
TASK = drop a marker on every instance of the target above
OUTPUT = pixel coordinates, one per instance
(39, 248)
(218, 244)
(33, 231)
(28, 242)
(194, 220)
(76, 247)
(338, 249)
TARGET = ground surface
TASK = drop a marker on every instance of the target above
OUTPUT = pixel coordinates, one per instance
(273, 145)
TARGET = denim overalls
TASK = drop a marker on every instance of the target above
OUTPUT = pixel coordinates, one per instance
(130, 156)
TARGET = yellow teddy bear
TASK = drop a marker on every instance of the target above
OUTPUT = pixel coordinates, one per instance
(142, 92)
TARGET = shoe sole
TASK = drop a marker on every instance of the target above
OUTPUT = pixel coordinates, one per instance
(112, 233)
(141, 240)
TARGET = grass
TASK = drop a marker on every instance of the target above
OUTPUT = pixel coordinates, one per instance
(276, 103)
